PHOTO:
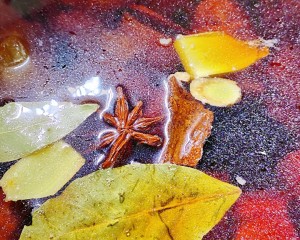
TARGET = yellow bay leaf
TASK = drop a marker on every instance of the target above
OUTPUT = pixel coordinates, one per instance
(160, 201)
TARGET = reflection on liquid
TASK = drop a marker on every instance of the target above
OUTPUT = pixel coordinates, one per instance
(23, 64)
(90, 88)
(48, 110)
(93, 87)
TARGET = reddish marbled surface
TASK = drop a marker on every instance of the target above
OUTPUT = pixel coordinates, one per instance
(71, 42)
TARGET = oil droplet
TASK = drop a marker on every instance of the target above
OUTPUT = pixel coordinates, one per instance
(13, 51)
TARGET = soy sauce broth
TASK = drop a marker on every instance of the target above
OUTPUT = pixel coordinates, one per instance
(80, 51)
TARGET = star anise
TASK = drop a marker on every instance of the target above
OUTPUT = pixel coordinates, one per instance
(129, 126)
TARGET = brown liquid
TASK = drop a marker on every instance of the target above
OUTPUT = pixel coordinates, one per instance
(81, 53)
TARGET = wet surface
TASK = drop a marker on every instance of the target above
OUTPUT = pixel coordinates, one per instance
(80, 52)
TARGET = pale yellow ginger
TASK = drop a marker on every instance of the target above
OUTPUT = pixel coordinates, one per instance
(42, 173)
(217, 92)
(210, 54)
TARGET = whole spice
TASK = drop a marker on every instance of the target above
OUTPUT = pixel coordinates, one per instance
(29, 126)
(137, 201)
(189, 126)
(129, 126)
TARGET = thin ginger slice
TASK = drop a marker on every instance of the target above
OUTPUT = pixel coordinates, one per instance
(212, 53)
(41, 174)
(217, 92)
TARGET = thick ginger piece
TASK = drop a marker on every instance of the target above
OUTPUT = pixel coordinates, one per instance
(189, 126)
(213, 53)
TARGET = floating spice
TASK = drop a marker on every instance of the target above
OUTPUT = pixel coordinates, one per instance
(189, 126)
(28, 126)
(212, 53)
(219, 92)
(42, 173)
(129, 126)
(155, 201)
(13, 51)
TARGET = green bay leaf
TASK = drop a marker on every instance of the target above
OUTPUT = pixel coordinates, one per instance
(160, 201)
(42, 173)
(28, 126)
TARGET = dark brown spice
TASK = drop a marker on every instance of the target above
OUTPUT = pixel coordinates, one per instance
(129, 126)
(189, 126)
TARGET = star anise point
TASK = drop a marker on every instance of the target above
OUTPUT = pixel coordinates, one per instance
(130, 125)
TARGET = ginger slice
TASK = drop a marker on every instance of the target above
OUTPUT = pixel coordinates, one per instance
(188, 127)
(212, 53)
(43, 173)
(217, 92)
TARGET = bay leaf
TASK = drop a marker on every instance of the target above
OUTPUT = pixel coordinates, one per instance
(42, 173)
(162, 201)
(28, 126)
